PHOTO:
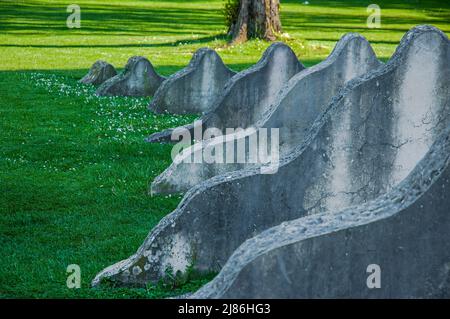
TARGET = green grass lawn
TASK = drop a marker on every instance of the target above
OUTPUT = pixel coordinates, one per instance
(74, 169)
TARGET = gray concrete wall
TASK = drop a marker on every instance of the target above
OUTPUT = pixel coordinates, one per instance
(99, 72)
(195, 88)
(405, 232)
(248, 94)
(298, 103)
(368, 140)
(138, 79)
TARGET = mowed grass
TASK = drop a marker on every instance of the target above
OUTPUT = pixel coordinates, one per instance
(74, 169)
(74, 179)
(34, 34)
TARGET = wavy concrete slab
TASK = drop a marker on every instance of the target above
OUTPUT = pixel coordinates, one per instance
(139, 78)
(404, 232)
(369, 139)
(99, 72)
(248, 94)
(298, 104)
(195, 88)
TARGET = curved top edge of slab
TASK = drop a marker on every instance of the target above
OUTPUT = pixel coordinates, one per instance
(394, 62)
(194, 63)
(424, 175)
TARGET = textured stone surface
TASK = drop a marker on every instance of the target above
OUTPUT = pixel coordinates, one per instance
(195, 88)
(299, 102)
(248, 94)
(405, 232)
(368, 140)
(99, 72)
(138, 79)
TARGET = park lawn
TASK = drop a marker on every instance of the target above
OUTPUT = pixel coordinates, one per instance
(74, 180)
(34, 34)
(74, 169)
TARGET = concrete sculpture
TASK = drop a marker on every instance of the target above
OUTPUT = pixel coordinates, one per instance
(138, 79)
(99, 72)
(364, 146)
(247, 95)
(195, 88)
(300, 101)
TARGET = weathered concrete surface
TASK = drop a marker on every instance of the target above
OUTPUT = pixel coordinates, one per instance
(300, 101)
(405, 232)
(195, 88)
(99, 72)
(138, 79)
(367, 141)
(248, 94)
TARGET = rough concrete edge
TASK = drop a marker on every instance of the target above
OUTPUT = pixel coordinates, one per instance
(164, 136)
(385, 206)
(169, 219)
(313, 226)
(332, 57)
(286, 89)
(191, 67)
(122, 76)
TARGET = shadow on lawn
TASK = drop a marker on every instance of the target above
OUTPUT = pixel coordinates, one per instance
(391, 4)
(28, 16)
(188, 41)
(156, 20)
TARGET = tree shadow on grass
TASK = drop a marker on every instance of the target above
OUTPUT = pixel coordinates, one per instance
(116, 20)
(188, 41)
(390, 4)
(29, 16)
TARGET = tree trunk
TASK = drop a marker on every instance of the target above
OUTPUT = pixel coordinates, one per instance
(257, 19)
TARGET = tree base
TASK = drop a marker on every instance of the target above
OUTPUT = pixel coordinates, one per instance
(257, 19)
